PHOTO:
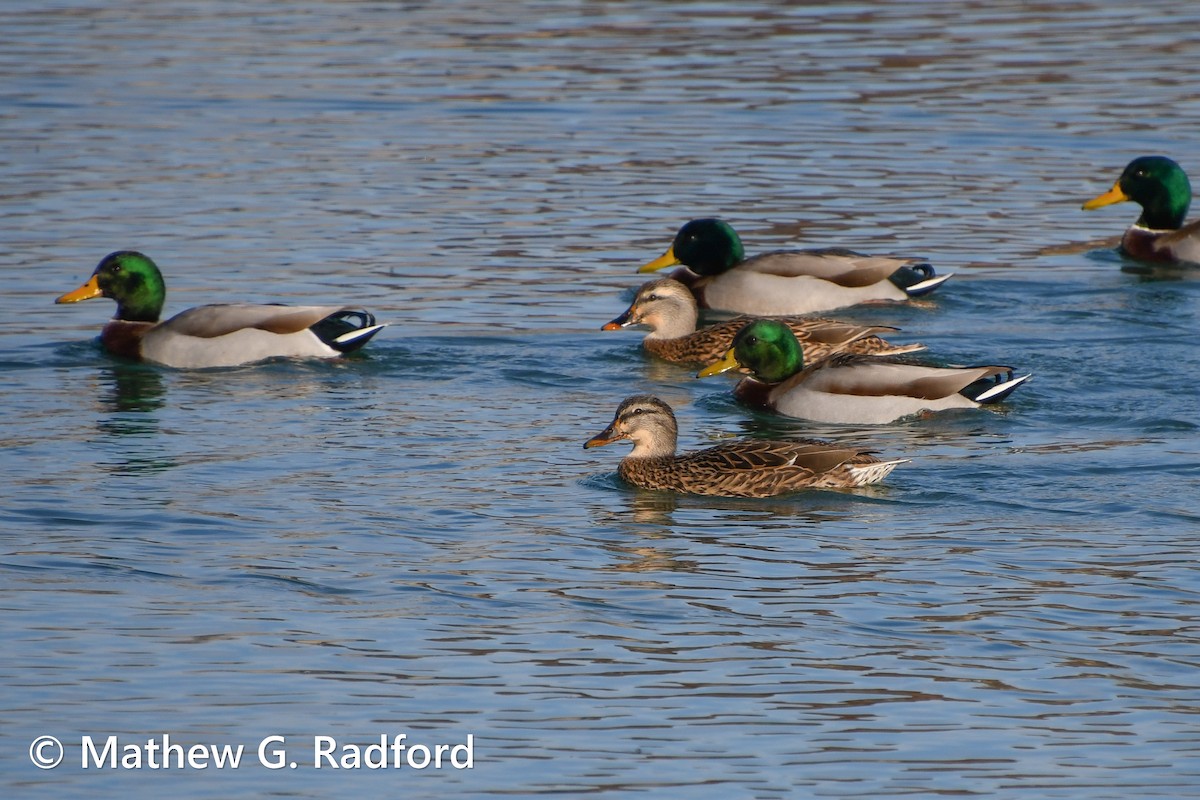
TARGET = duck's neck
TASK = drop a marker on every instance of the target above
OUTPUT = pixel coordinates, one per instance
(139, 311)
(782, 364)
(140, 296)
(655, 443)
(1167, 207)
(679, 323)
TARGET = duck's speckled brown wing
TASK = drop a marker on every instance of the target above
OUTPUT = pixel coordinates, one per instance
(819, 338)
(753, 468)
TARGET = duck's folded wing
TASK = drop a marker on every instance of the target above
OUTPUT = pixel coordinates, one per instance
(837, 265)
(753, 455)
(945, 382)
(867, 377)
(1183, 244)
(834, 333)
(211, 321)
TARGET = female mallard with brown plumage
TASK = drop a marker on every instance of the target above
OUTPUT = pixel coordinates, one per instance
(221, 335)
(669, 310)
(786, 281)
(742, 468)
(847, 388)
(1161, 188)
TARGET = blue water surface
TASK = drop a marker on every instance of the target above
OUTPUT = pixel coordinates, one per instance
(413, 542)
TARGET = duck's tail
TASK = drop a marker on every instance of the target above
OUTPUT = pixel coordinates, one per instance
(875, 472)
(993, 389)
(347, 330)
(918, 279)
(899, 349)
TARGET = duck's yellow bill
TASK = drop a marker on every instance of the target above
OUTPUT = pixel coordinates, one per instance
(86, 292)
(667, 259)
(1113, 195)
(724, 365)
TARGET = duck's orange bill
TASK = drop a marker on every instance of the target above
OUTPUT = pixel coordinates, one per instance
(716, 368)
(599, 440)
(667, 259)
(1113, 195)
(86, 292)
(611, 326)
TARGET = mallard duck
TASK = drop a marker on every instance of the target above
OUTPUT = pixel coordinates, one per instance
(214, 335)
(1161, 188)
(785, 281)
(848, 388)
(742, 468)
(669, 310)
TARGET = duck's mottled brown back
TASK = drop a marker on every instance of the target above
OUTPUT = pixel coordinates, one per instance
(743, 468)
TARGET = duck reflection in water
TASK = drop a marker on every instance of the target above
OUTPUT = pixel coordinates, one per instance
(129, 398)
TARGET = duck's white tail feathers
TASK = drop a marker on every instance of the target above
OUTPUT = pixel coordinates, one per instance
(921, 288)
(357, 338)
(1001, 390)
(901, 349)
(874, 473)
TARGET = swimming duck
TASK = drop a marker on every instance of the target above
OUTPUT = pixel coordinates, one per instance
(667, 307)
(742, 468)
(213, 335)
(785, 281)
(847, 388)
(1161, 188)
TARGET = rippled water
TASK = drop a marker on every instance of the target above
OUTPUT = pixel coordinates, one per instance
(414, 542)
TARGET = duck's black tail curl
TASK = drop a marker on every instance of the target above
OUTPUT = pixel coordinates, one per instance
(917, 279)
(993, 389)
(347, 330)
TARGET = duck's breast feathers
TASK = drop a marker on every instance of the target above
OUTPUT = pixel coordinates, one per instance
(836, 265)
(212, 321)
(124, 338)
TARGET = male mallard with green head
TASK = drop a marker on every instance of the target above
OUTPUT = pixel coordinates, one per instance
(849, 388)
(785, 281)
(221, 335)
(668, 309)
(743, 468)
(1161, 188)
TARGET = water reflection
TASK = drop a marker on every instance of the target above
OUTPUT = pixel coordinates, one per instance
(130, 398)
(1161, 272)
(648, 557)
(673, 511)
(133, 388)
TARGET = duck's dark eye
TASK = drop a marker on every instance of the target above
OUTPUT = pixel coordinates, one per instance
(751, 340)
(651, 298)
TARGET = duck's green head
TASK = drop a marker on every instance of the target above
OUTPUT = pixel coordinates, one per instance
(1158, 185)
(765, 347)
(706, 246)
(131, 279)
